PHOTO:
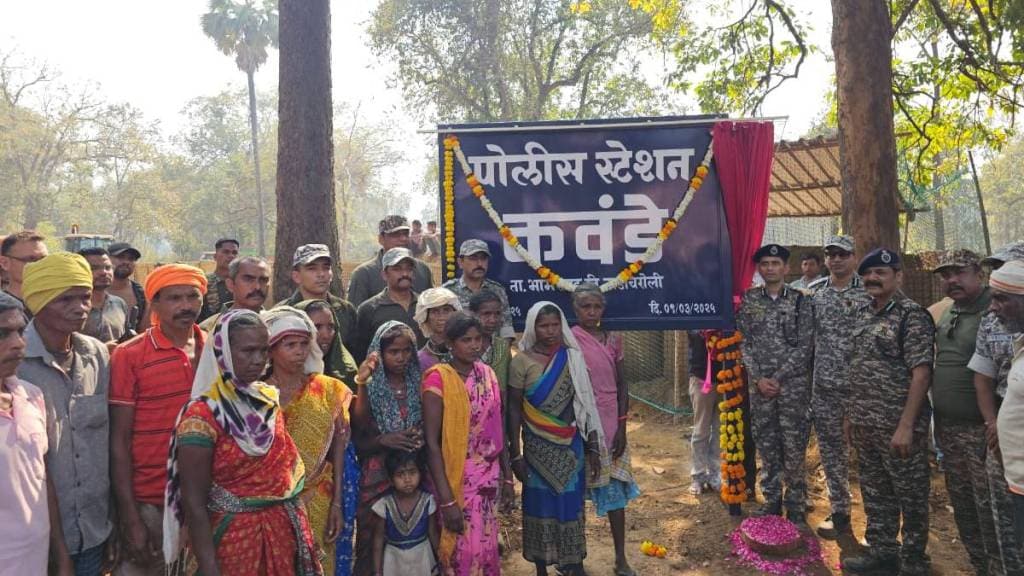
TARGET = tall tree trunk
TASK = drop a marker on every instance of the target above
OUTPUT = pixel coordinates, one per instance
(861, 43)
(261, 238)
(939, 218)
(306, 210)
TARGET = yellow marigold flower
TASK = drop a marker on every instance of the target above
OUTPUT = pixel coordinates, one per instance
(702, 171)
(696, 181)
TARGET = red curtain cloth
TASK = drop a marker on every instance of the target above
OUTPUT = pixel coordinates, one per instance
(743, 160)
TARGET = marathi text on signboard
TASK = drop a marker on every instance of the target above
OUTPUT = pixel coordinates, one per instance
(587, 200)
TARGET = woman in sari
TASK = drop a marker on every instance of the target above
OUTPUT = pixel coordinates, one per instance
(603, 352)
(316, 416)
(433, 307)
(235, 474)
(462, 421)
(552, 402)
(386, 415)
(338, 361)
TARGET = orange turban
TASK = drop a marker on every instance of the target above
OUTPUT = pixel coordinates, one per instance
(172, 275)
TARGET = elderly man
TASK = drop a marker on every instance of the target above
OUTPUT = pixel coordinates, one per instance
(218, 293)
(1008, 305)
(890, 365)
(312, 273)
(24, 492)
(73, 372)
(776, 322)
(151, 379)
(367, 279)
(249, 281)
(474, 259)
(108, 318)
(991, 366)
(397, 301)
(16, 251)
(959, 425)
(124, 257)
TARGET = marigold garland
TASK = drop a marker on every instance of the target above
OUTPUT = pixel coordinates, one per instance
(449, 207)
(731, 429)
(451, 145)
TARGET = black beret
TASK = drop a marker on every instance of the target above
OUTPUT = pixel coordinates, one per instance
(771, 250)
(879, 257)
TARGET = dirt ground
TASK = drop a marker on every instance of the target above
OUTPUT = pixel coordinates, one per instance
(695, 529)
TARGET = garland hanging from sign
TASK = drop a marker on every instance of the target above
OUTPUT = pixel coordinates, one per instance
(449, 210)
(451, 146)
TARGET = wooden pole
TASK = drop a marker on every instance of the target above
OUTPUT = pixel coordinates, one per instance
(981, 203)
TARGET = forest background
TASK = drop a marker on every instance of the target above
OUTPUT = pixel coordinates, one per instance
(136, 121)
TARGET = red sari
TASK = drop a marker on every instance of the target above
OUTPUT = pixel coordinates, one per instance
(257, 520)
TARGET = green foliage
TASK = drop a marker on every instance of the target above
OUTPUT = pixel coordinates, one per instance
(1001, 180)
(244, 30)
(482, 61)
(69, 157)
(740, 62)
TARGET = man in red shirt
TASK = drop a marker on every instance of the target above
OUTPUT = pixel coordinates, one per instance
(151, 379)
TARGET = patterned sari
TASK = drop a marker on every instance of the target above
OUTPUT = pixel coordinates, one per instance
(553, 522)
(259, 526)
(310, 418)
(472, 438)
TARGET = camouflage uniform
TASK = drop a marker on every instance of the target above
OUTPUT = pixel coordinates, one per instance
(777, 344)
(885, 347)
(834, 312)
(960, 430)
(217, 295)
(992, 354)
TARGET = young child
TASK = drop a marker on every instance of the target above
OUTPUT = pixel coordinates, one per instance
(405, 541)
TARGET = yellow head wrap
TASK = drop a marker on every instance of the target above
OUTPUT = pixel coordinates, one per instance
(52, 276)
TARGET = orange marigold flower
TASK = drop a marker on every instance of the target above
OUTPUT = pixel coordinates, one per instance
(478, 190)
(543, 271)
(472, 181)
(553, 279)
(702, 171)
(696, 182)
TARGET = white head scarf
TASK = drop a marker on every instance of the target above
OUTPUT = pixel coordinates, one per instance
(584, 404)
(433, 298)
(287, 321)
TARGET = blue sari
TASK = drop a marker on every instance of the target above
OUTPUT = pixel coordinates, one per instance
(350, 500)
(553, 519)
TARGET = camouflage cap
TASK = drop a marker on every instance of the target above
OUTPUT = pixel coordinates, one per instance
(840, 241)
(396, 255)
(393, 223)
(473, 246)
(956, 259)
(1014, 251)
(307, 253)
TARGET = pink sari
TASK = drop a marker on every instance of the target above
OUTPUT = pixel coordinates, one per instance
(476, 551)
(601, 361)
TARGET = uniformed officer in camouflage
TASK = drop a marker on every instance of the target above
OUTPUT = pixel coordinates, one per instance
(890, 365)
(217, 293)
(959, 426)
(836, 300)
(776, 323)
(991, 366)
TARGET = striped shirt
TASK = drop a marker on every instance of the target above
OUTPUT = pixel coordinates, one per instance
(149, 373)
